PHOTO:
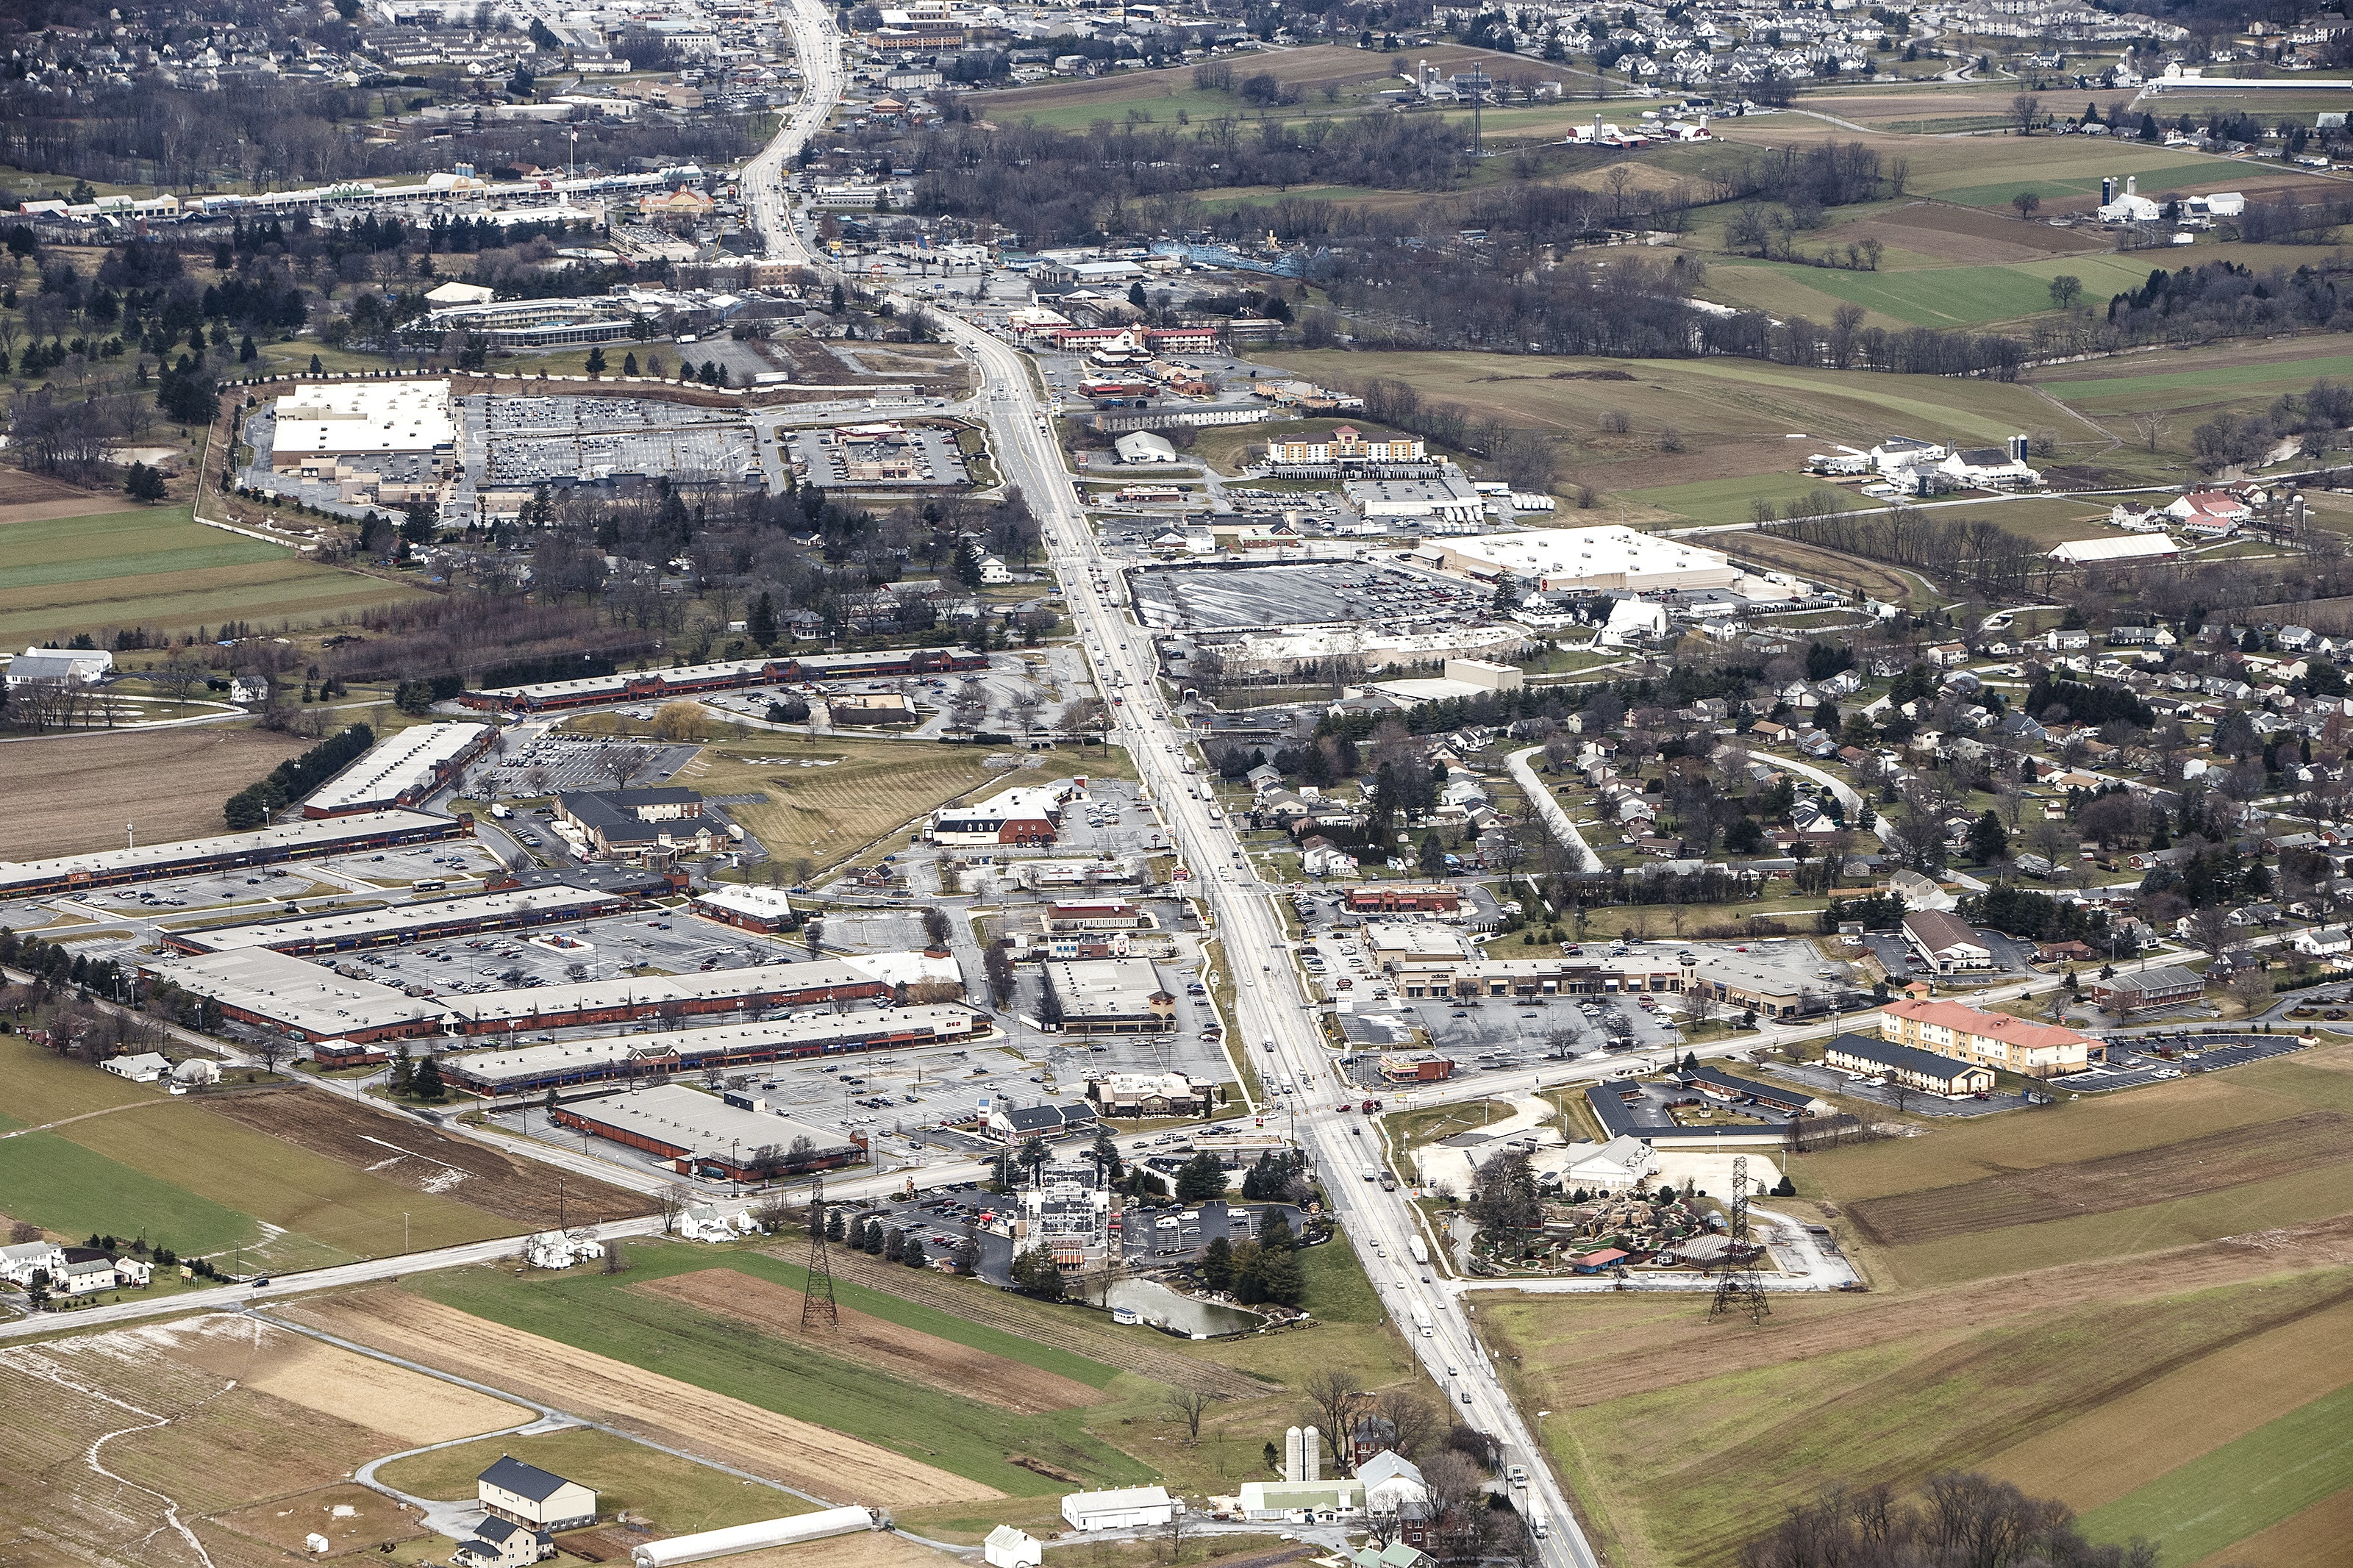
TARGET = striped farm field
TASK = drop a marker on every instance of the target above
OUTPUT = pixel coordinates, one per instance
(2282, 1468)
(158, 568)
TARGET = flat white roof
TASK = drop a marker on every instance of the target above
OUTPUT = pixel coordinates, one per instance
(1612, 549)
(295, 991)
(653, 990)
(397, 764)
(705, 1123)
(400, 918)
(363, 416)
(766, 903)
(527, 1062)
(2127, 547)
(156, 859)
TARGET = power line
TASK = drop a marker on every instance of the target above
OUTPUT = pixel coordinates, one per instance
(1737, 1288)
(817, 1296)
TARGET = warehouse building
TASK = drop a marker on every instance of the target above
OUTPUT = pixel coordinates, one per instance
(1130, 1507)
(687, 680)
(309, 1002)
(666, 997)
(1109, 996)
(763, 909)
(514, 910)
(1029, 814)
(317, 426)
(193, 857)
(735, 1139)
(1987, 1039)
(405, 768)
(1923, 1070)
(1611, 559)
(529, 1069)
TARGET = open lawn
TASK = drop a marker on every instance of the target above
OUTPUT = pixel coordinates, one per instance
(934, 1425)
(167, 784)
(158, 569)
(675, 1496)
(38, 1086)
(1933, 297)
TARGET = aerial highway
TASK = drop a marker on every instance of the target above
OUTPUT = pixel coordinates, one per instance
(1275, 1021)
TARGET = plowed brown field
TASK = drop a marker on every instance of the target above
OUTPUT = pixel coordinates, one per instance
(2105, 1185)
(800, 1454)
(904, 1352)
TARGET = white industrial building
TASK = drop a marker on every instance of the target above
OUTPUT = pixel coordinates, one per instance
(2113, 552)
(400, 770)
(348, 418)
(1129, 1508)
(73, 666)
(1144, 447)
(704, 1545)
(1609, 559)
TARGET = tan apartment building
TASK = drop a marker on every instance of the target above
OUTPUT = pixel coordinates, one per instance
(1988, 1039)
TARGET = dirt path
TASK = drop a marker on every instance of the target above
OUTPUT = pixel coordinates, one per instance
(801, 1454)
(905, 1353)
(1069, 1330)
(70, 1120)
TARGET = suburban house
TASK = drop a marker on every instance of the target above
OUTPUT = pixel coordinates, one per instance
(144, 1067)
(527, 1494)
(2149, 990)
(502, 1543)
(1945, 943)
(20, 1262)
(1988, 1039)
(1907, 1064)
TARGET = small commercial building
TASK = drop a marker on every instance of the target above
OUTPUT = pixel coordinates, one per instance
(1424, 1067)
(1945, 943)
(1908, 1064)
(1150, 1094)
(2155, 990)
(624, 823)
(527, 1494)
(1026, 814)
(1129, 1508)
(763, 909)
(1109, 996)
(1716, 1084)
(736, 1138)
(1400, 898)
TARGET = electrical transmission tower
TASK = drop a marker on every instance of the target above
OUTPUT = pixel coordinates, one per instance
(817, 1299)
(1738, 1288)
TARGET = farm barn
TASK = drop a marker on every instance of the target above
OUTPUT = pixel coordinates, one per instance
(527, 1494)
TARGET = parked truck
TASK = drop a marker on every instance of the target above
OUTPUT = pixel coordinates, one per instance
(1420, 1248)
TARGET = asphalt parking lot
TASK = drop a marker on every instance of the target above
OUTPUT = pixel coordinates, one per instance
(1295, 593)
(2133, 1064)
(544, 763)
(606, 948)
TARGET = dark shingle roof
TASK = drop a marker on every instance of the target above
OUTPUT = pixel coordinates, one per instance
(510, 1474)
(1907, 1058)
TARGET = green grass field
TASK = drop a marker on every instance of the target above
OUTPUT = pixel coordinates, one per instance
(937, 1426)
(2286, 1466)
(2268, 377)
(2156, 178)
(76, 1192)
(38, 1086)
(1727, 500)
(158, 568)
(678, 1496)
(1935, 297)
